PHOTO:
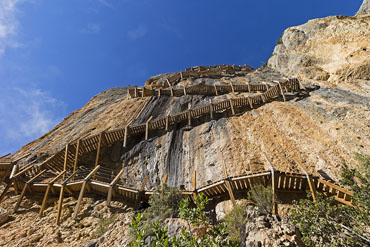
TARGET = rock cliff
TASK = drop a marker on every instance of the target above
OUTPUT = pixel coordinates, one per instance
(365, 8)
(322, 129)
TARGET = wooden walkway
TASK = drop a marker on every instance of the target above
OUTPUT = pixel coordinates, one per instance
(200, 72)
(200, 89)
(67, 158)
(107, 182)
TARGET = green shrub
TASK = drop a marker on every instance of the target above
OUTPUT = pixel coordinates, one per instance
(234, 222)
(164, 203)
(196, 219)
(103, 225)
(327, 223)
(262, 197)
(280, 40)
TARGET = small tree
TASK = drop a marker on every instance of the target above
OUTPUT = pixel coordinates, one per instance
(164, 203)
(262, 197)
(235, 221)
(327, 223)
(195, 217)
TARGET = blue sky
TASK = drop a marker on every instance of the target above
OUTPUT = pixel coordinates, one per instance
(57, 54)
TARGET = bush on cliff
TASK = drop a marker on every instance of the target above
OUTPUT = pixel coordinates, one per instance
(327, 223)
(197, 233)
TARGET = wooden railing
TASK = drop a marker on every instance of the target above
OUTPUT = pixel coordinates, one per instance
(109, 182)
(202, 71)
(67, 158)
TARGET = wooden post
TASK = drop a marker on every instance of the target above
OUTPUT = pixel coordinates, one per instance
(228, 185)
(215, 89)
(76, 155)
(189, 115)
(282, 92)
(171, 91)
(232, 106)
(6, 155)
(309, 179)
(211, 108)
(50, 184)
(274, 186)
(98, 150)
(147, 128)
(232, 87)
(7, 187)
(250, 102)
(27, 184)
(142, 188)
(249, 86)
(167, 122)
(61, 197)
(125, 137)
(60, 204)
(20, 198)
(111, 186)
(185, 91)
(65, 157)
(82, 191)
(135, 92)
(194, 184)
(266, 85)
(263, 98)
(163, 182)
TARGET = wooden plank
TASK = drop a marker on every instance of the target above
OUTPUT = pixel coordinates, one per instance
(142, 188)
(228, 186)
(125, 137)
(6, 155)
(309, 179)
(50, 184)
(98, 149)
(7, 187)
(281, 91)
(144, 183)
(60, 204)
(82, 191)
(65, 157)
(232, 87)
(250, 102)
(76, 155)
(23, 171)
(232, 106)
(189, 115)
(165, 178)
(147, 128)
(215, 90)
(273, 185)
(111, 186)
(20, 198)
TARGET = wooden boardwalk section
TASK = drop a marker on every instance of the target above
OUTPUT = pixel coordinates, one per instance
(107, 182)
(67, 158)
(202, 72)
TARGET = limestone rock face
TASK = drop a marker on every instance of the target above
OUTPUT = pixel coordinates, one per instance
(333, 49)
(365, 8)
(267, 230)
